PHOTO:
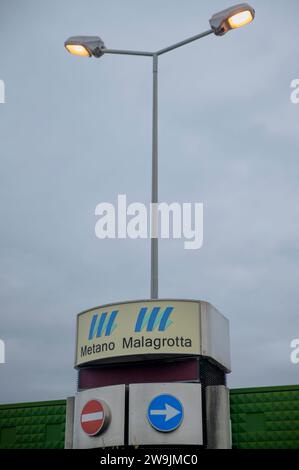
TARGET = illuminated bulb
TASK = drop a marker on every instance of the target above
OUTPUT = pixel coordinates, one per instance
(240, 19)
(77, 49)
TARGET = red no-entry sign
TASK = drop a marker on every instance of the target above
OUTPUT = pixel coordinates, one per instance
(93, 417)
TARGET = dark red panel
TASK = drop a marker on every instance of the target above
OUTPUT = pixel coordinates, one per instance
(174, 371)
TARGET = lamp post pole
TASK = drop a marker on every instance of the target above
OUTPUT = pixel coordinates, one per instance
(154, 207)
(154, 289)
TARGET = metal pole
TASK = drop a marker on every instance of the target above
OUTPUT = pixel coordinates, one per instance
(154, 200)
(125, 52)
(186, 41)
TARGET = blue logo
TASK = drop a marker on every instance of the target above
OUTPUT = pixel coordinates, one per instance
(165, 413)
(153, 319)
(102, 324)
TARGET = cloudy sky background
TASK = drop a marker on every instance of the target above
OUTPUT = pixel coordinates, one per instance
(77, 132)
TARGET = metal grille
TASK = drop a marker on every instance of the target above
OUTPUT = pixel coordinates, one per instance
(210, 374)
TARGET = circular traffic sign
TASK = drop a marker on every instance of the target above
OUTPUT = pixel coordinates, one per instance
(165, 413)
(94, 417)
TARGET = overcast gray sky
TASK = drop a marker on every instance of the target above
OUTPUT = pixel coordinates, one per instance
(77, 132)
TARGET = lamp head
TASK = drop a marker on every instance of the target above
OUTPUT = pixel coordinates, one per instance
(232, 18)
(85, 46)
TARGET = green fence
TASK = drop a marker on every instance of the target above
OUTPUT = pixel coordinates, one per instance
(265, 418)
(38, 425)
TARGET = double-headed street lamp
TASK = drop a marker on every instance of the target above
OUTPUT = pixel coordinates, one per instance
(88, 46)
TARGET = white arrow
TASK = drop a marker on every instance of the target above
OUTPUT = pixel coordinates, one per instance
(169, 412)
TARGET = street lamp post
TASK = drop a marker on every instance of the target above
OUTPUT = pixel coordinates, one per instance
(231, 18)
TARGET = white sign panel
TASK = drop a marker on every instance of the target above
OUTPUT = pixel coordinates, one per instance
(165, 414)
(99, 419)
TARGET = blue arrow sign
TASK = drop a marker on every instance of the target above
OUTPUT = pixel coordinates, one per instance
(165, 413)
